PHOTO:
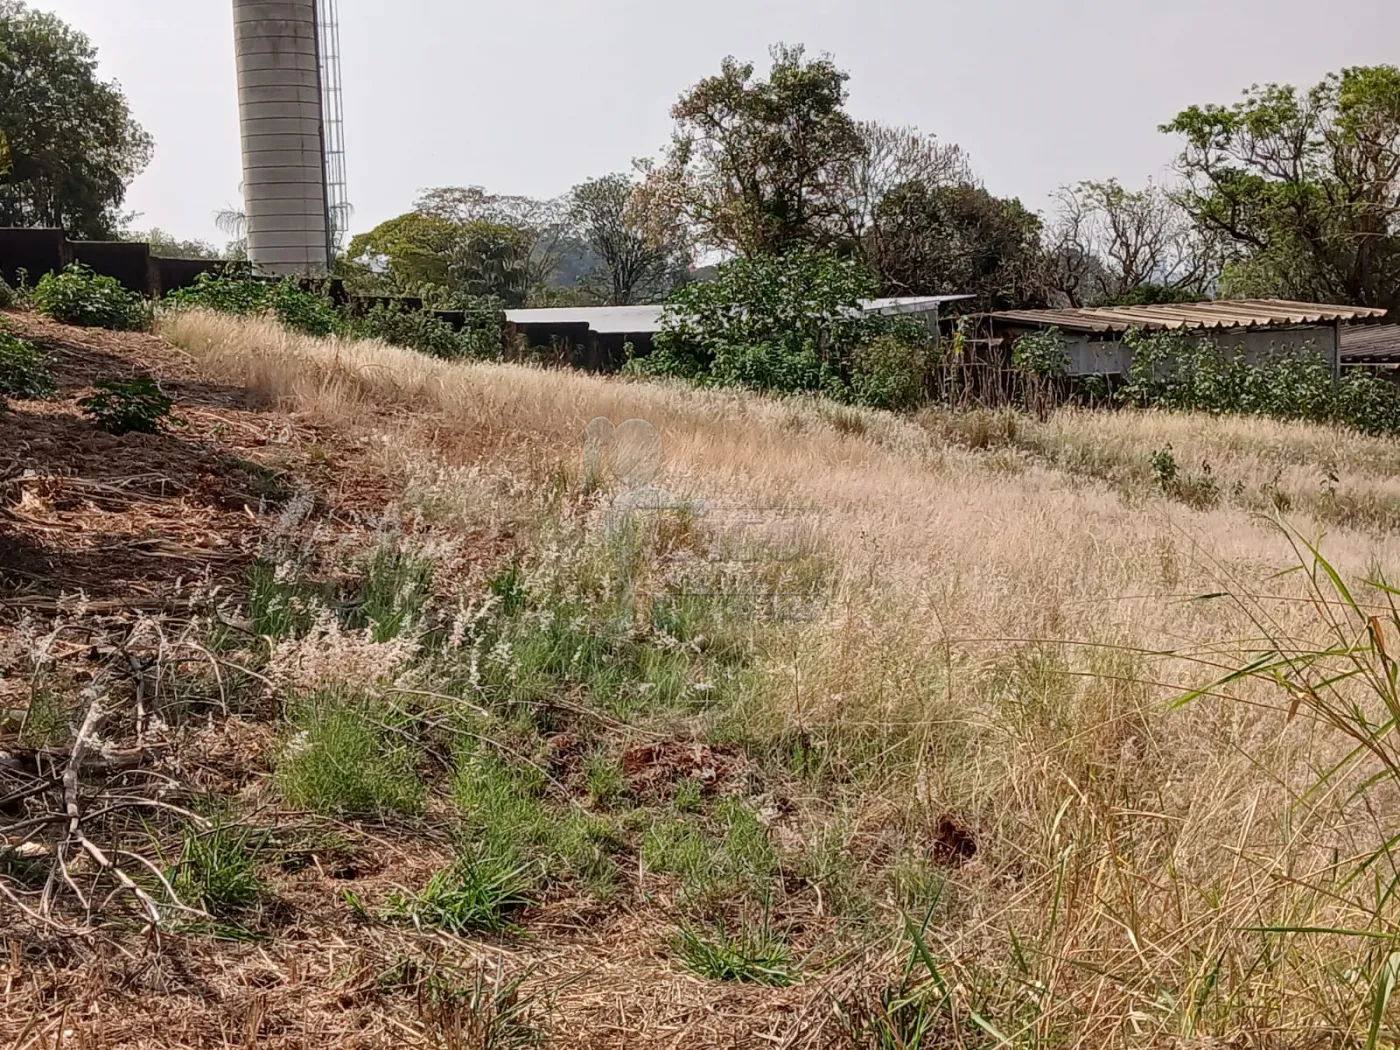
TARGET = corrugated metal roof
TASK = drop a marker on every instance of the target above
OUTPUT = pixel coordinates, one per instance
(1222, 313)
(1371, 344)
(641, 320)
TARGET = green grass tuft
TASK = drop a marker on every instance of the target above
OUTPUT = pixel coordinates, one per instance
(476, 893)
(218, 869)
(350, 757)
(755, 953)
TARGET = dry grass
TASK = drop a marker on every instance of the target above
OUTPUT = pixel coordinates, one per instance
(982, 705)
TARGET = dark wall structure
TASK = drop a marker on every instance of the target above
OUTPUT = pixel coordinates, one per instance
(38, 252)
(575, 343)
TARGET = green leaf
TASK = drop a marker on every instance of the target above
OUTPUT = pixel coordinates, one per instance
(1384, 987)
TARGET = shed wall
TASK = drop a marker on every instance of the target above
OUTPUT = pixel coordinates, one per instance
(1097, 356)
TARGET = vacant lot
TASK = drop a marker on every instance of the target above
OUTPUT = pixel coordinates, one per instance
(396, 731)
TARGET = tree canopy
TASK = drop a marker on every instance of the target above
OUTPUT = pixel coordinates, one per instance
(73, 145)
(1107, 244)
(956, 240)
(1303, 185)
(461, 241)
(753, 166)
(638, 264)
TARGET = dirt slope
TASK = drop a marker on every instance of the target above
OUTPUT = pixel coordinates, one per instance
(109, 548)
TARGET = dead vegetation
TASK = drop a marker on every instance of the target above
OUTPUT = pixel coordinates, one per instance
(347, 715)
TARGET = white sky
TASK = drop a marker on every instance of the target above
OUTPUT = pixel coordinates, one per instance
(532, 96)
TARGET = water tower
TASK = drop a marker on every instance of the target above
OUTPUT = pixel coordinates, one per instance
(289, 109)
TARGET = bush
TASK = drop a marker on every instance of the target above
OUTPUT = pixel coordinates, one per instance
(411, 329)
(77, 296)
(303, 311)
(298, 309)
(24, 368)
(136, 406)
(7, 295)
(1041, 354)
(889, 373)
(785, 323)
(1368, 402)
(222, 292)
(1042, 359)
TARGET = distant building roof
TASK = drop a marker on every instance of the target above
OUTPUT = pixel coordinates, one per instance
(644, 320)
(1371, 344)
(910, 304)
(1223, 313)
(626, 320)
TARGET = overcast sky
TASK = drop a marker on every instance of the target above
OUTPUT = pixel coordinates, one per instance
(532, 96)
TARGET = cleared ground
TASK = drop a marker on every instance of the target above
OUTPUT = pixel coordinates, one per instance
(884, 746)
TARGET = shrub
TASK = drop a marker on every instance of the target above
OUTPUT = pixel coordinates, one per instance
(136, 406)
(1042, 359)
(888, 372)
(222, 292)
(1041, 354)
(348, 757)
(303, 311)
(1177, 371)
(783, 323)
(7, 295)
(24, 368)
(77, 296)
(298, 309)
(1368, 402)
(411, 329)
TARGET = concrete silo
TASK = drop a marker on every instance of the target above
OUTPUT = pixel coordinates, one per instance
(284, 152)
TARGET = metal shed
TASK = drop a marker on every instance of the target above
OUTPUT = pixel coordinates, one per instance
(1253, 326)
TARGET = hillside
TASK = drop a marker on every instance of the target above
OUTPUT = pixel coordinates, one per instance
(352, 713)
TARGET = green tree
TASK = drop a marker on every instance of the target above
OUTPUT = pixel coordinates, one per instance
(891, 158)
(74, 147)
(1305, 185)
(956, 240)
(754, 166)
(637, 265)
(414, 247)
(462, 242)
(542, 224)
(490, 259)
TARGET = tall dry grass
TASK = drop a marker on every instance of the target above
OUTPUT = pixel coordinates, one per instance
(1014, 613)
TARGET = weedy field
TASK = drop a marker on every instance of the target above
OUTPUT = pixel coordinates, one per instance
(378, 705)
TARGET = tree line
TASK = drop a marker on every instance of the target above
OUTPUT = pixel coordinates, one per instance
(1288, 192)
